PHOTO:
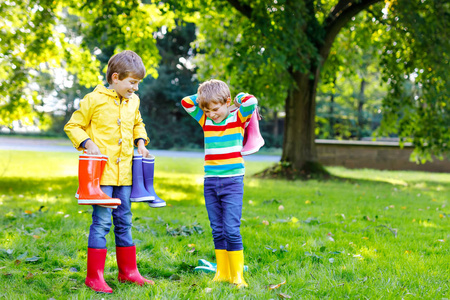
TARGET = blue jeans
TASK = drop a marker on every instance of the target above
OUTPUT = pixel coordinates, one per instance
(223, 199)
(101, 219)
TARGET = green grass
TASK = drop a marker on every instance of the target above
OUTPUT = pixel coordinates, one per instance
(371, 235)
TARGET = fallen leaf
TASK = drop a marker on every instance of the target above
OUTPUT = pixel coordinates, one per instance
(407, 251)
(32, 259)
(307, 202)
(175, 277)
(284, 296)
(36, 236)
(275, 286)
(29, 275)
(28, 212)
(365, 238)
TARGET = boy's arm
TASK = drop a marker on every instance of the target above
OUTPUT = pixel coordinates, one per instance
(247, 104)
(76, 126)
(190, 105)
(139, 132)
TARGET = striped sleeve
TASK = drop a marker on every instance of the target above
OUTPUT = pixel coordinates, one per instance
(248, 104)
(190, 105)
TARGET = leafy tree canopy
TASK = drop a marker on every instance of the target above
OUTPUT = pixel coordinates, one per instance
(276, 49)
(41, 36)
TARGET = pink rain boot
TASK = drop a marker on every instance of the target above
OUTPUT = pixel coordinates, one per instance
(253, 140)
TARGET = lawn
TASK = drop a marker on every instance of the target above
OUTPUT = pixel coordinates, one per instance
(369, 235)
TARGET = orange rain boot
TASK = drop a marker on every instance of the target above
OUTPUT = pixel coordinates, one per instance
(89, 174)
(95, 268)
(126, 262)
(104, 162)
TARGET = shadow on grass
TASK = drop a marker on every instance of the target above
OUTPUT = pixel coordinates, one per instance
(62, 189)
(422, 180)
(420, 183)
(22, 187)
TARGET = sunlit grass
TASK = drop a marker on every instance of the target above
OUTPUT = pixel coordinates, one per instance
(371, 234)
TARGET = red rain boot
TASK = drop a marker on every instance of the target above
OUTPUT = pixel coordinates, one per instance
(95, 267)
(89, 174)
(252, 136)
(126, 262)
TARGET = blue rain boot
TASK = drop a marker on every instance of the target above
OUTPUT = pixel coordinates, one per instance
(138, 191)
(149, 171)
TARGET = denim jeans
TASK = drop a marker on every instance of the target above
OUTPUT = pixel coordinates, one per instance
(223, 199)
(101, 219)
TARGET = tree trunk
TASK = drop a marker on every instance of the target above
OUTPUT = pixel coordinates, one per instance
(332, 119)
(275, 131)
(299, 157)
(299, 136)
(361, 101)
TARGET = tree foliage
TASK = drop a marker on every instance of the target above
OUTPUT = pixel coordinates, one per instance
(276, 49)
(41, 36)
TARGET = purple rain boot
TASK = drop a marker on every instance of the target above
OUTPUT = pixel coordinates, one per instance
(148, 164)
(138, 191)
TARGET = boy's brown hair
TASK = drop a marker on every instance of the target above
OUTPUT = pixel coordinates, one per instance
(212, 91)
(127, 64)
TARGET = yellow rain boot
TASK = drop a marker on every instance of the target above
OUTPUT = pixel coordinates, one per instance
(223, 266)
(236, 259)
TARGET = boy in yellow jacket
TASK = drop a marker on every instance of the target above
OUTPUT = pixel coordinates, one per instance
(109, 123)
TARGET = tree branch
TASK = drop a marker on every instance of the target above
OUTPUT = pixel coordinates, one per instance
(339, 16)
(244, 9)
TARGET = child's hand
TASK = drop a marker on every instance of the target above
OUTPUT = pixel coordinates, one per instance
(233, 107)
(91, 148)
(238, 96)
(141, 149)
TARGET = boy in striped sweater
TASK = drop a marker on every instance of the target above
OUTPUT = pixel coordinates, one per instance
(223, 128)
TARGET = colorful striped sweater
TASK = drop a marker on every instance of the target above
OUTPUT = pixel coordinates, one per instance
(223, 141)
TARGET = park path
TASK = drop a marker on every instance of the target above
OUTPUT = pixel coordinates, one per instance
(64, 145)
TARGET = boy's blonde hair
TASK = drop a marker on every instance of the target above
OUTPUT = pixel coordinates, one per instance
(212, 91)
(127, 64)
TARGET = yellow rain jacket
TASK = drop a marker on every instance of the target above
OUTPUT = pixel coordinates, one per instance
(113, 126)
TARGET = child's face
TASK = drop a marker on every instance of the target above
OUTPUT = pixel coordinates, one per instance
(125, 88)
(217, 112)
